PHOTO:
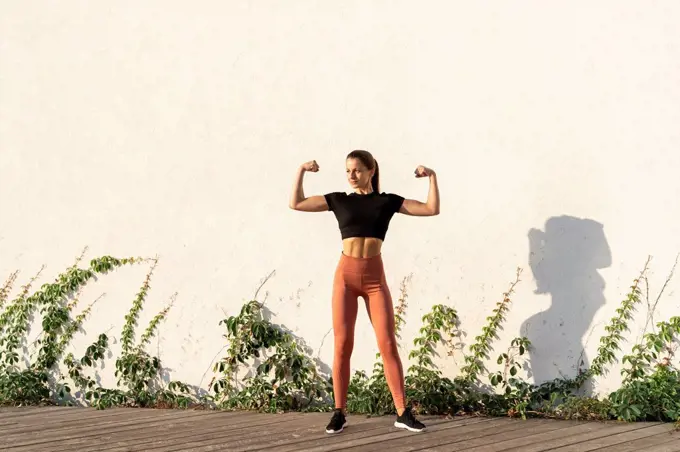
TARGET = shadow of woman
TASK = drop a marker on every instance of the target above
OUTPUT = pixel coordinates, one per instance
(564, 260)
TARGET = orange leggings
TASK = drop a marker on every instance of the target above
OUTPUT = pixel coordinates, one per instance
(364, 277)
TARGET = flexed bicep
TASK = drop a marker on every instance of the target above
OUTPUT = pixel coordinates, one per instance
(298, 200)
(423, 209)
(416, 208)
(315, 203)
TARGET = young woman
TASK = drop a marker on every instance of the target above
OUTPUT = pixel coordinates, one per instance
(363, 218)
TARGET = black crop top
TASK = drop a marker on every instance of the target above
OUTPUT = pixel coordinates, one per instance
(363, 215)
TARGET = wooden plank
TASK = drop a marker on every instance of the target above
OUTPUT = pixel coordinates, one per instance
(68, 414)
(266, 432)
(134, 429)
(513, 428)
(617, 439)
(12, 412)
(372, 442)
(216, 426)
(212, 441)
(216, 443)
(28, 408)
(44, 443)
(57, 420)
(319, 438)
(643, 444)
(666, 447)
(82, 429)
(130, 418)
(209, 426)
(263, 428)
(342, 444)
(317, 432)
(671, 446)
(546, 441)
(313, 429)
(45, 425)
(383, 424)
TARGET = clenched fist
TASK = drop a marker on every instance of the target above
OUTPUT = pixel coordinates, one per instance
(310, 166)
(423, 171)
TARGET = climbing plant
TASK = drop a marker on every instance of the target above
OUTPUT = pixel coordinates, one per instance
(39, 380)
(285, 376)
(267, 368)
(655, 385)
(479, 350)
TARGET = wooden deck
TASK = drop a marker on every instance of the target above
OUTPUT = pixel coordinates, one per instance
(58, 429)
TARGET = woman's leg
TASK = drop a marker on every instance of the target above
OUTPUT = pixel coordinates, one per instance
(381, 313)
(345, 306)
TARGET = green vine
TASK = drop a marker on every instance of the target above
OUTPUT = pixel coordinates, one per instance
(267, 368)
(95, 352)
(427, 389)
(517, 396)
(400, 310)
(518, 347)
(609, 344)
(137, 372)
(57, 328)
(482, 346)
(651, 383)
(56, 302)
(285, 377)
(14, 323)
(6, 288)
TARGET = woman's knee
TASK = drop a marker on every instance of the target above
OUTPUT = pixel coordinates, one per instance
(388, 346)
(344, 343)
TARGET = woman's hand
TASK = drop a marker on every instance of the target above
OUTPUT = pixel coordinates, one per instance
(423, 171)
(310, 166)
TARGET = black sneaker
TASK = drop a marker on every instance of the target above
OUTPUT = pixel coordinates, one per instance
(409, 422)
(337, 423)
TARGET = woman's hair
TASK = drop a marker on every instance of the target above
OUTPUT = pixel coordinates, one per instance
(369, 162)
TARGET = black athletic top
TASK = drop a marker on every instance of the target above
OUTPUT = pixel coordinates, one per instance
(363, 215)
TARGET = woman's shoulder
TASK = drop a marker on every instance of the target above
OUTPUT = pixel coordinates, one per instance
(394, 200)
(391, 195)
(334, 199)
(336, 194)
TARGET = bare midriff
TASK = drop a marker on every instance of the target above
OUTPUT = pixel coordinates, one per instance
(361, 247)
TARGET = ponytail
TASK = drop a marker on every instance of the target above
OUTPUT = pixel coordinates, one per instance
(375, 180)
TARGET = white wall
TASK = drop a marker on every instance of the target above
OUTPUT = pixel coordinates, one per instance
(174, 128)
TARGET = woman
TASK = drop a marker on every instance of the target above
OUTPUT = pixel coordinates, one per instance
(363, 218)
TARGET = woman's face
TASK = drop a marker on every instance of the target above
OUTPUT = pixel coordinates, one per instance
(358, 175)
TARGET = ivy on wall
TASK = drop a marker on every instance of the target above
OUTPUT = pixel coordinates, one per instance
(282, 375)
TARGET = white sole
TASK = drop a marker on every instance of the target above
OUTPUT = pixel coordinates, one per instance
(406, 427)
(333, 432)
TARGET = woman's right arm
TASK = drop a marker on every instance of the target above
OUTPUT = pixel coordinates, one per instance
(297, 197)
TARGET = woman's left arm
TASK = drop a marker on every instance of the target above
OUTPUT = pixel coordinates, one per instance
(424, 209)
